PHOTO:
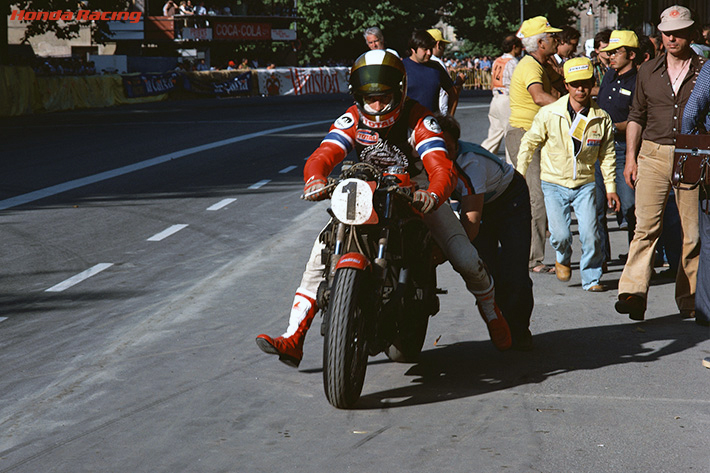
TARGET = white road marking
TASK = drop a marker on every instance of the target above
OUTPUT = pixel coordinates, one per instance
(85, 181)
(463, 107)
(79, 277)
(221, 204)
(167, 232)
(288, 169)
(3, 319)
(259, 184)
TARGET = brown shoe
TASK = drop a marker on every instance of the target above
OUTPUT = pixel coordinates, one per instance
(631, 304)
(564, 273)
(596, 288)
(687, 313)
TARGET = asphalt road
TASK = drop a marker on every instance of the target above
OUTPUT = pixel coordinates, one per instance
(143, 249)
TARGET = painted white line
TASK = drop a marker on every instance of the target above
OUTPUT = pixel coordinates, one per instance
(259, 184)
(79, 277)
(3, 319)
(85, 181)
(472, 106)
(221, 204)
(288, 169)
(167, 232)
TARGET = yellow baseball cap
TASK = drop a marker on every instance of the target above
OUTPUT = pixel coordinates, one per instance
(436, 34)
(535, 26)
(622, 38)
(578, 68)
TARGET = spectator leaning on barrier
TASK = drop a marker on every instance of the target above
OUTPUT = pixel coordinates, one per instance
(663, 87)
(499, 109)
(615, 94)
(424, 76)
(495, 212)
(573, 133)
(437, 55)
(696, 118)
(531, 87)
(170, 8)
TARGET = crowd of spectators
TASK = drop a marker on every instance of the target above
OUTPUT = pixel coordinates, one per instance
(186, 7)
(63, 66)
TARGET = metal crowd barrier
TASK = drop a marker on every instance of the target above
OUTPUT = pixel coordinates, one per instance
(475, 78)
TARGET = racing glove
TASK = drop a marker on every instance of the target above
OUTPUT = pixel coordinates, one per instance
(425, 201)
(315, 188)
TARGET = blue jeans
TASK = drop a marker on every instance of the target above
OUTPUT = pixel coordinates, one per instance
(702, 290)
(626, 195)
(559, 202)
(503, 243)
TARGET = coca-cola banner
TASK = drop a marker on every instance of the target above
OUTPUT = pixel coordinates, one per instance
(241, 31)
(303, 80)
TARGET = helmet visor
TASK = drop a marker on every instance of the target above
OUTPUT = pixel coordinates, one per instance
(375, 79)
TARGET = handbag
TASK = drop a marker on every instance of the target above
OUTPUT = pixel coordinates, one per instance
(691, 162)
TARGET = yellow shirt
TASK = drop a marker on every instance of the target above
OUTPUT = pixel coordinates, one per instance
(522, 106)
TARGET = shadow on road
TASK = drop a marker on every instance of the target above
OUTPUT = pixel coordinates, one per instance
(473, 368)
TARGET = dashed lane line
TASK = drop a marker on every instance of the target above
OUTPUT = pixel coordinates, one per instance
(221, 204)
(74, 280)
(167, 232)
(259, 184)
(85, 181)
(288, 169)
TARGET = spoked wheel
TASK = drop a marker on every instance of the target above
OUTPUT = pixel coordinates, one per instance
(344, 350)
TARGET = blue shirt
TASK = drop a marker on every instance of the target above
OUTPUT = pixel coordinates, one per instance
(616, 93)
(698, 106)
(424, 82)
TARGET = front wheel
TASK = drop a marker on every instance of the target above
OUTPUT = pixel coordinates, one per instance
(344, 350)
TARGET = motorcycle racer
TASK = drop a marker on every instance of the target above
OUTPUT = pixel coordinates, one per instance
(385, 128)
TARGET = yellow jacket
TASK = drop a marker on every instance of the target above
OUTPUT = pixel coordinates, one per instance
(558, 163)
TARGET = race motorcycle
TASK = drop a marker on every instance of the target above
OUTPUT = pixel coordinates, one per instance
(379, 288)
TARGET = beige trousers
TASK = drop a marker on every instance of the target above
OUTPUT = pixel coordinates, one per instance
(537, 200)
(655, 165)
(498, 115)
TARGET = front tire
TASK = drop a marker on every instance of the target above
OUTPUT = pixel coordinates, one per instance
(344, 350)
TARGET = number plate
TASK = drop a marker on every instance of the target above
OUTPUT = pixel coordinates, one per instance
(352, 202)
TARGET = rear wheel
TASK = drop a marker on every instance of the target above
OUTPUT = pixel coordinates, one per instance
(344, 351)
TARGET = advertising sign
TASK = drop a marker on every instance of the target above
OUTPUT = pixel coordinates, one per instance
(242, 31)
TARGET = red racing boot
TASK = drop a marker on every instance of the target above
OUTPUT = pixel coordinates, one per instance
(497, 326)
(289, 346)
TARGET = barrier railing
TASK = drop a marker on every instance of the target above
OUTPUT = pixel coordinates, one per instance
(475, 78)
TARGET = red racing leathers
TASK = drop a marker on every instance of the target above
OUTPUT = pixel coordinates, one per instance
(388, 146)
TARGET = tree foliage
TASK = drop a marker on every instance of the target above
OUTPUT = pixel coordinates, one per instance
(70, 29)
(334, 28)
(630, 13)
(484, 24)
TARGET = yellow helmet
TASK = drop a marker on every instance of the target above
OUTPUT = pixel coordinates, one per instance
(379, 72)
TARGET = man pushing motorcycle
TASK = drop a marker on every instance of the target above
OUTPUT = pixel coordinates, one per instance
(381, 127)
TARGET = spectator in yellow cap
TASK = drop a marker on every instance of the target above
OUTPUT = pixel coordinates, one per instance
(437, 55)
(531, 87)
(573, 134)
(616, 92)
